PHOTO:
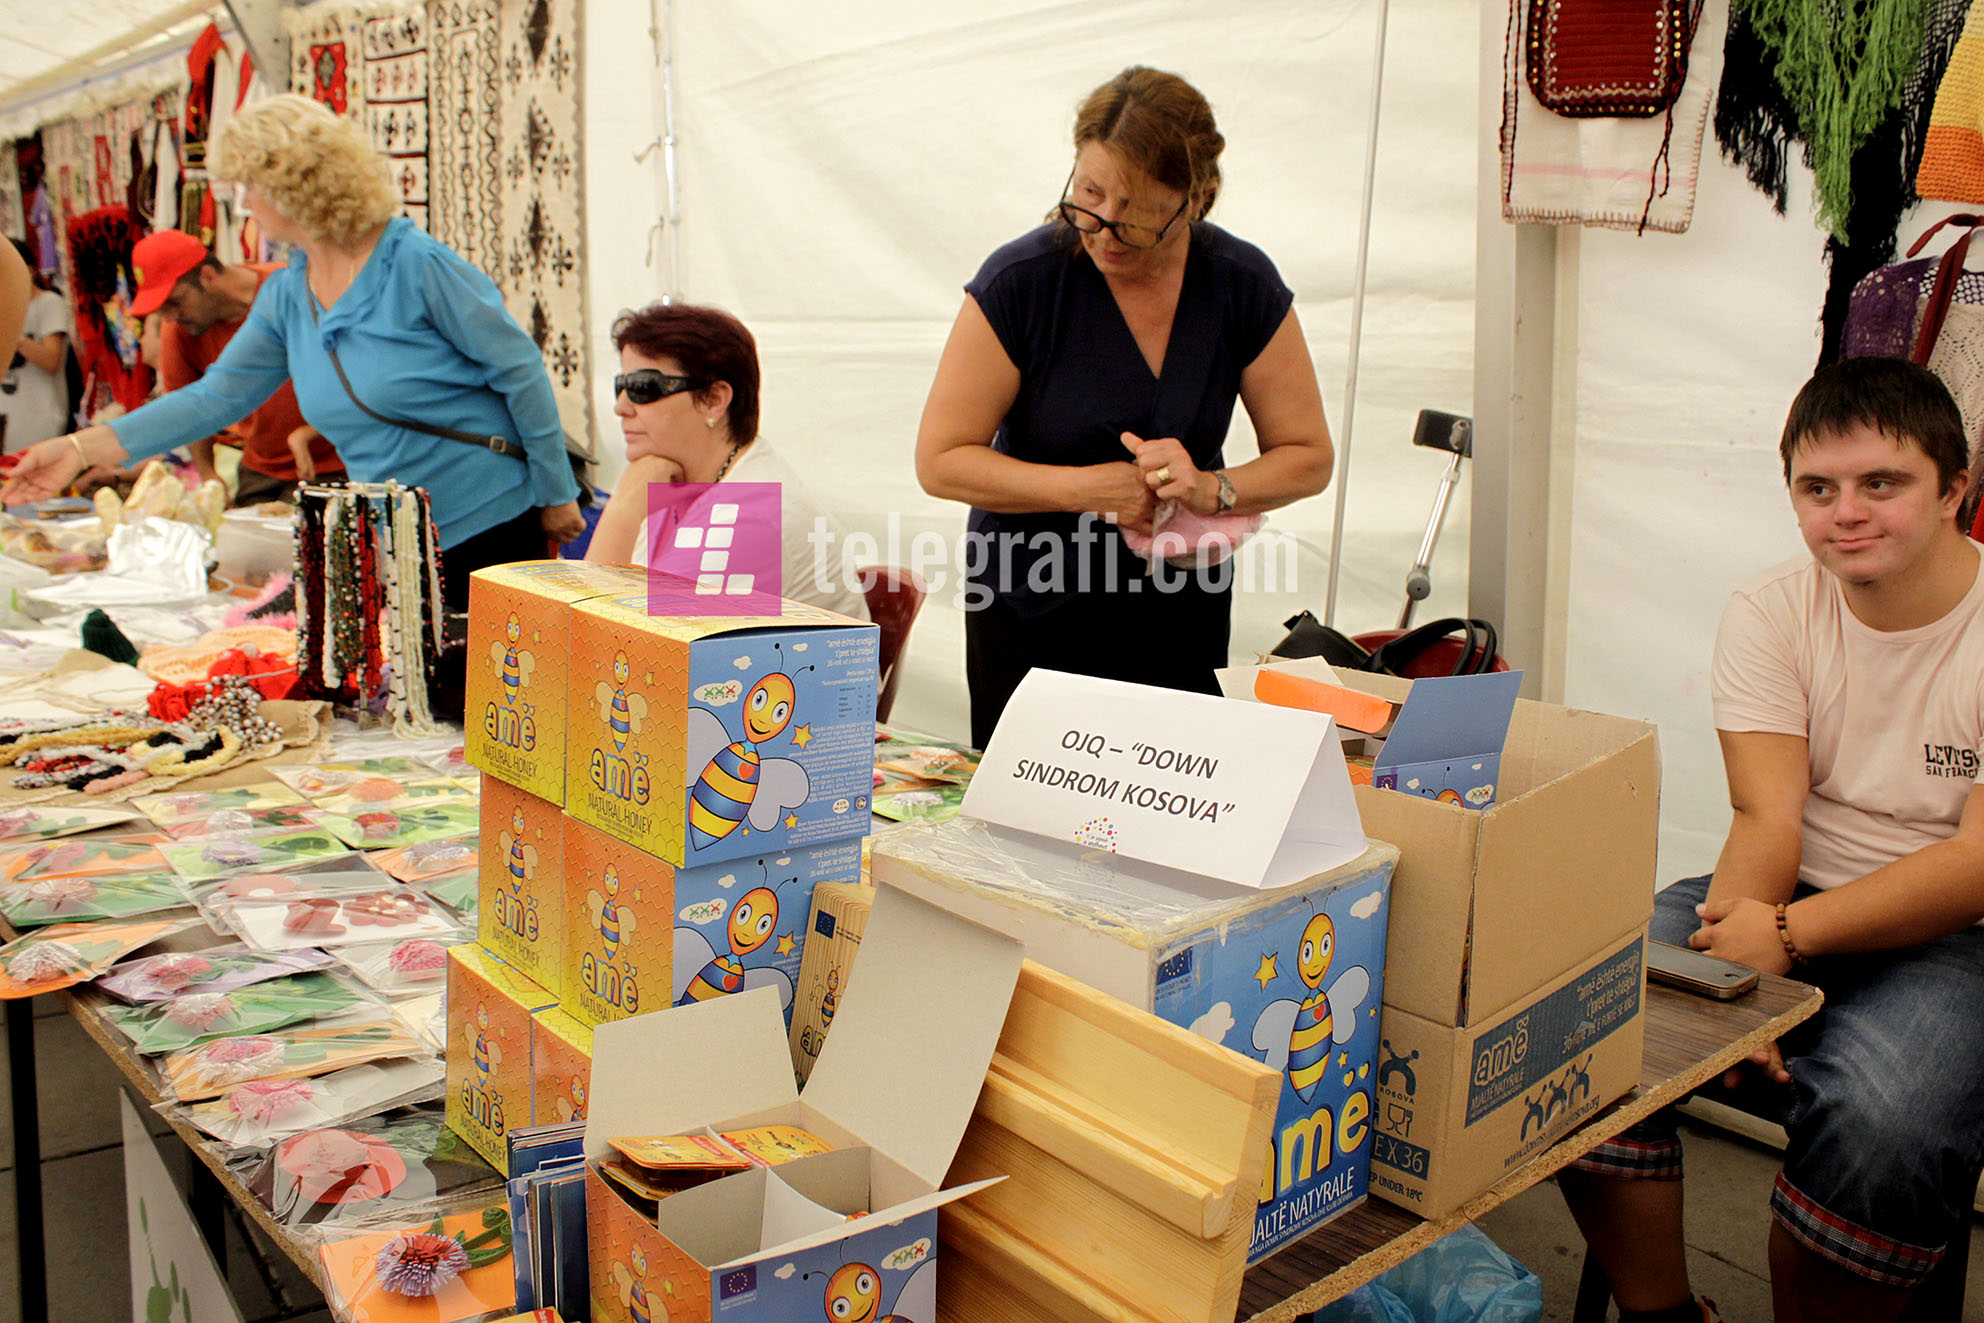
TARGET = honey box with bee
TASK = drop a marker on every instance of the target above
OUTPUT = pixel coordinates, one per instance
(850, 1233)
(518, 637)
(490, 1090)
(702, 739)
(642, 934)
(1290, 975)
(560, 1067)
(520, 902)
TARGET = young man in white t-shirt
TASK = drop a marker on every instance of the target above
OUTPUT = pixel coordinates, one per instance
(1849, 699)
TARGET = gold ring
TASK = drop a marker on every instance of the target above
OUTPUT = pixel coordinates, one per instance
(1163, 476)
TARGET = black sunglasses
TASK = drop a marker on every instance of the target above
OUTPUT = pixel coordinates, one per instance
(646, 385)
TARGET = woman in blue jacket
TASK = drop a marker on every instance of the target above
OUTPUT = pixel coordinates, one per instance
(371, 300)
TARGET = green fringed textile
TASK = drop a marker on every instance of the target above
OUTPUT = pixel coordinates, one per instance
(1843, 65)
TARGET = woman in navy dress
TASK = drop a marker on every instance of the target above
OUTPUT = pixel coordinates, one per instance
(1090, 375)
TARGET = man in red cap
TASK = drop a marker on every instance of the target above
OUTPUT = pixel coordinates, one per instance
(204, 304)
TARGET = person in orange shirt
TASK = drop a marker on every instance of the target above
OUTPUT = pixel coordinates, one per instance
(204, 303)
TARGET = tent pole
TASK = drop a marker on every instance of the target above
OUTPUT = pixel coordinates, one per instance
(1357, 312)
(672, 217)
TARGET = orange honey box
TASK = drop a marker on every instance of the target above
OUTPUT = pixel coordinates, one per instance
(560, 1067)
(702, 739)
(489, 1083)
(642, 934)
(518, 636)
(520, 906)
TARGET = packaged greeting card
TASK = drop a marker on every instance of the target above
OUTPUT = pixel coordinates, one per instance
(186, 805)
(38, 822)
(233, 822)
(448, 1268)
(460, 892)
(334, 778)
(380, 792)
(366, 1168)
(261, 1112)
(83, 858)
(416, 863)
(193, 1018)
(213, 1069)
(403, 968)
(395, 827)
(75, 899)
(221, 969)
(200, 859)
(332, 917)
(71, 953)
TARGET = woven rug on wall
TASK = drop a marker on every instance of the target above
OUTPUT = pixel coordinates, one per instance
(326, 48)
(395, 83)
(13, 220)
(542, 192)
(464, 153)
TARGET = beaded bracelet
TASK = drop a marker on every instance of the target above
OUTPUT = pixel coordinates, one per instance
(1784, 936)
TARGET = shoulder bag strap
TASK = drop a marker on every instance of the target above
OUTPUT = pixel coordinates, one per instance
(1948, 270)
(501, 445)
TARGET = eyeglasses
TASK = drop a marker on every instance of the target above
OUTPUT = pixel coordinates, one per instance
(1133, 236)
(646, 385)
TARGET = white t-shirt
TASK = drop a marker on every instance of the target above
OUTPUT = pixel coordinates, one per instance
(1894, 722)
(36, 403)
(816, 576)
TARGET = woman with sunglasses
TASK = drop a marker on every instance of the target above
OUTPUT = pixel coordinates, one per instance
(687, 400)
(1091, 375)
(378, 325)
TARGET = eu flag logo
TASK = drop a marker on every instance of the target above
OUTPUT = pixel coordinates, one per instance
(743, 1281)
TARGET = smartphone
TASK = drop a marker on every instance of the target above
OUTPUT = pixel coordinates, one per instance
(1692, 971)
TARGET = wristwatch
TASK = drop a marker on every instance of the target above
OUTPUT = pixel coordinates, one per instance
(1228, 498)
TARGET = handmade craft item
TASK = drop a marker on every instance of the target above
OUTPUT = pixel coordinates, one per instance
(431, 859)
(71, 953)
(222, 969)
(366, 1168)
(196, 860)
(398, 827)
(382, 793)
(194, 1018)
(401, 968)
(437, 1271)
(335, 918)
(83, 858)
(37, 823)
(333, 778)
(73, 899)
(261, 1112)
(209, 1070)
(237, 823)
(169, 810)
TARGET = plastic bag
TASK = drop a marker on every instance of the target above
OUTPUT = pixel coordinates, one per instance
(446, 1264)
(460, 892)
(194, 1018)
(70, 953)
(1461, 1278)
(261, 1112)
(410, 826)
(382, 793)
(405, 968)
(220, 969)
(365, 1168)
(415, 863)
(91, 857)
(78, 899)
(197, 860)
(215, 1068)
(187, 805)
(325, 917)
(333, 778)
(235, 823)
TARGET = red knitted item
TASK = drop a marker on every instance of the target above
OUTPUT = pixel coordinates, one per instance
(1618, 58)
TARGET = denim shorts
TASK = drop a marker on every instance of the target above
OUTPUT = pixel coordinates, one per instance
(1884, 1112)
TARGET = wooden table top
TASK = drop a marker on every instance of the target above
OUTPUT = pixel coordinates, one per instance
(1689, 1041)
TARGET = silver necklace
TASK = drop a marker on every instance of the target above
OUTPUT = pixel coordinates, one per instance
(728, 460)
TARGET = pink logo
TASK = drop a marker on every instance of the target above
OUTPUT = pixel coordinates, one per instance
(715, 549)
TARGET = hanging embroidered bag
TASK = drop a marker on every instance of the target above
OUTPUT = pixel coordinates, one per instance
(1624, 59)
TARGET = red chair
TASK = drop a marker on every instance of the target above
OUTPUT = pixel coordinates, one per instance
(894, 596)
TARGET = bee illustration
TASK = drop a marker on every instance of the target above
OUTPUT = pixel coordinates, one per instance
(830, 1000)
(614, 920)
(512, 662)
(486, 1053)
(522, 856)
(730, 781)
(623, 711)
(1298, 1037)
(854, 1295)
(573, 1107)
(632, 1286)
(700, 973)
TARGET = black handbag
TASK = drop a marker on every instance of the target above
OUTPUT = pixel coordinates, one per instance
(1310, 637)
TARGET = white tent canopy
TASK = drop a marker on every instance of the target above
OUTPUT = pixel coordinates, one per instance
(839, 172)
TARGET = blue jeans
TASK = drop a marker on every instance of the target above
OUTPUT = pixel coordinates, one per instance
(1885, 1109)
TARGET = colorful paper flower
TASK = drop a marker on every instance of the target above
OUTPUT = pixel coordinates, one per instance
(44, 961)
(237, 1058)
(228, 820)
(418, 958)
(375, 790)
(264, 1100)
(252, 886)
(58, 892)
(201, 1012)
(15, 821)
(232, 854)
(171, 973)
(420, 1264)
(384, 908)
(438, 853)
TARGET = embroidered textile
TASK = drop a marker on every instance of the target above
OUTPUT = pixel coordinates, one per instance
(464, 147)
(395, 82)
(13, 216)
(1622, 174)
(1953, 153)
(1611, 58)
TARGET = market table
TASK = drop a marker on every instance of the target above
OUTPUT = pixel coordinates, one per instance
(1689, 1040)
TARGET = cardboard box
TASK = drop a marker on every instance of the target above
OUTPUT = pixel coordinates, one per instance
(704, 739)
(489, 1083)
(520, 905)
(894, 1090)
(833, 938)
(560, 1067)
(1459, 1108)
(518, 637)
(1571, 835)
(642, 934)
(1291, 975)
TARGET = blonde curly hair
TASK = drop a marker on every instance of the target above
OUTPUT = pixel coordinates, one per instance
(318, 169)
